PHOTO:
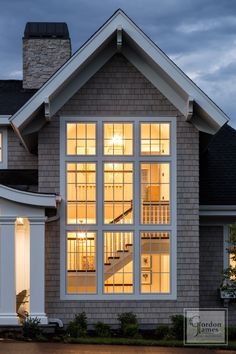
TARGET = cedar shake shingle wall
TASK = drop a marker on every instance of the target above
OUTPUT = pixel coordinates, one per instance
(211, 264)
(118, 89)
(18, 157)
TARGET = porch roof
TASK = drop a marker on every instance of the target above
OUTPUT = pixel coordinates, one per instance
(29, 198)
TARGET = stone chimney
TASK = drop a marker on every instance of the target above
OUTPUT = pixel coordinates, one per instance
(46, 47)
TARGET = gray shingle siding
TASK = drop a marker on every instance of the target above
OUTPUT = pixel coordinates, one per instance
(18, 157)
(118, 89)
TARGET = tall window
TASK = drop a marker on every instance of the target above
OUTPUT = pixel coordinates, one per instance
(119, 207)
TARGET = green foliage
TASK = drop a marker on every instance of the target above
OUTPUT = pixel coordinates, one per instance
(78, 327)
(177, 328)
(30, 328)
(128, 324)
(229, 275)
(131, 330)
(162, 332)
(102, 329)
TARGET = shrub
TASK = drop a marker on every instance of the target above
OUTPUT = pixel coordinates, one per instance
(161, 332)
(128, 324)
(177, 328)
(131, 330)
(102, 329)
(78, 327)
(30, 328)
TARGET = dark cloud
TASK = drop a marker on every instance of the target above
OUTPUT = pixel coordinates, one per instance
(199, 35)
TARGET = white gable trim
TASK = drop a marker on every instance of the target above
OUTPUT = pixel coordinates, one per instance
(4, 119)
(117, 21)
(35, 199)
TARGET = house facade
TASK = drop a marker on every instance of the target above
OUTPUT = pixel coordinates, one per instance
(109, 197)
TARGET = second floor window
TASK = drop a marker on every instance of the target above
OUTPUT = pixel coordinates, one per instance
(118, 223)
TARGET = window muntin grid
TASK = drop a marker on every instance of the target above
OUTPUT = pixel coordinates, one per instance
(118, 193)
(100, 159)
(155, 138)
(155, 193)
(81, 193)
(81, 262)
(118, 262)
(81, 138)
(155, 262)
(118, 138)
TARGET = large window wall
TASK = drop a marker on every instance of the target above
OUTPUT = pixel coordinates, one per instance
(119, 207)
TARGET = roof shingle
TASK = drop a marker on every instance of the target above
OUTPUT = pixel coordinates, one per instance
(13, 96)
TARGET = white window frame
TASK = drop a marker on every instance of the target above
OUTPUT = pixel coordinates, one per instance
(136, 227)
(4, 162)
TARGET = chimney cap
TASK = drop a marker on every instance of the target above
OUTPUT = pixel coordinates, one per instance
(57, 30)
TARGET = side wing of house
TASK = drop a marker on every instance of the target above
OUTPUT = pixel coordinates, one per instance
(114, 136)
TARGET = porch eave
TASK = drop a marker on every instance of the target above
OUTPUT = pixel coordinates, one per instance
(29, 198)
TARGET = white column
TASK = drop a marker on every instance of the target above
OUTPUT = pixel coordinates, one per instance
(7, 272)
(37, 269)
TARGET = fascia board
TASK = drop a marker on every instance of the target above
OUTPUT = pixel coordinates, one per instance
(22, 197)
(119, 19)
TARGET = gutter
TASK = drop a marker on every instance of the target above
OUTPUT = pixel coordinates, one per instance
(217, 210)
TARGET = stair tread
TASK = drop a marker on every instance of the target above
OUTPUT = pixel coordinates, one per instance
(107, 263)
(129, 244)
(122, 251)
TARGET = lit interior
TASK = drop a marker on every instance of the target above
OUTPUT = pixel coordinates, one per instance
(155, 193)
(118, 193)
(81, 138)
(118, 262)
(155, 262)
(81, 193)
(81, 262)
(118, 139)
(22, 266)
(155, 138)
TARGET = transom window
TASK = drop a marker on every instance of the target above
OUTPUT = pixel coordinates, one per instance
(118, 139)
(119, 208)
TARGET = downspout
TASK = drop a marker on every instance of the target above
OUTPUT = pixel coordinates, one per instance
(57, 216)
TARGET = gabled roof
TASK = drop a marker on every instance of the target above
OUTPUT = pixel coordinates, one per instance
(119, 33)
(218, 169)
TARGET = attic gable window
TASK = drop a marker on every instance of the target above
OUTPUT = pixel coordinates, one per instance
(118, 223)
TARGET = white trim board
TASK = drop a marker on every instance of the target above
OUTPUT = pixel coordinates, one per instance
(4, 119)
(36, 199)
(217, 210)
(92, 46)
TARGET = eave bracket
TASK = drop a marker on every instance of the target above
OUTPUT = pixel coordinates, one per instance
(119, 38)
(47, 109)
(189, 109)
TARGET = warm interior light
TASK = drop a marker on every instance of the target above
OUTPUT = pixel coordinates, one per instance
(116, 140)
(20, 221)
(81, 235)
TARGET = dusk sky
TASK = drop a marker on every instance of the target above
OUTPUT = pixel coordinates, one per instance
(199, 36)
